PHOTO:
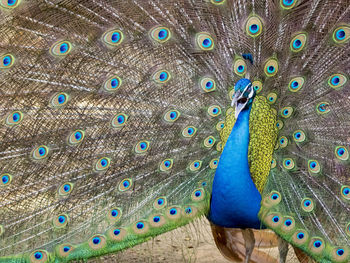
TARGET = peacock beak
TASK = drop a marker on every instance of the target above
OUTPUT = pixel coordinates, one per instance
(241, 99)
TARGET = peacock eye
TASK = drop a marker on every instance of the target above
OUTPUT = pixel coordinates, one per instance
(242, 100)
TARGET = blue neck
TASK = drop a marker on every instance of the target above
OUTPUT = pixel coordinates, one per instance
(235, 201)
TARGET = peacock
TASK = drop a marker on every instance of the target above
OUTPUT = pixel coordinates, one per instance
(122, 120)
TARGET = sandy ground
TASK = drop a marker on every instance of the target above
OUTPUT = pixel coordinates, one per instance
(191, 243)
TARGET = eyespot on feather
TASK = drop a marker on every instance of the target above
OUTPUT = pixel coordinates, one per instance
(286, 112)
(40, 152)
(189, 211)
(125, 185)
(160, 34)
(157, 220)
(208, 84)
(112, 84)
(14, 118)
(114, 215)
(64, 250)
(240, 67)
(9, 4)
(140, 227)
(195, 165)
(257, 86)
(288, 163)
(296, 84)
(254, 26)
(60, 221)
(59, 100)
(6, 179)
(273, 220)
(160, 202)
(337, 81)
(283, 141)
(217, 2)
(189, 131)
(339, 254)
(6, 61)
(271, 98)
(287, 4)
(273, 163)
(279, 124)
(307, 205)
(113, 37)
(204, 41)
(214, 110)
(288, 224)
(345, 192)
(316, 245)
(61, 48)
(298, 42)
(209, 142)
(341, 34)
(97, 242)
(198, 195)
(102, 164)
(300, 237)
(117, 234)
(166, 165)
(65, 189)
(161, 76)
(220, 125)
(271, 67)
(141, 147)
(299, 136)
(323, 108)
(214, 163)
(171, 116)
(39, 256)
(119, 120)
(76, 137)
(173, 213)
(314, 167)
(341, 153)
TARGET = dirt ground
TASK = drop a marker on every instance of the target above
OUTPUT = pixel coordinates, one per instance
(191, 243)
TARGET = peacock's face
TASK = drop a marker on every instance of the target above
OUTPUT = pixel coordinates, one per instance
(243, 96)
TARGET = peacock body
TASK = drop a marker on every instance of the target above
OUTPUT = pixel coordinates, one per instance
(122, 120)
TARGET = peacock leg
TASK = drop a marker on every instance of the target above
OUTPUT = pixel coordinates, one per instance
(249, 242)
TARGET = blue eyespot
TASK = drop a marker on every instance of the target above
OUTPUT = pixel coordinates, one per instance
(341, 151)
(140, 225)
(167, 163)
(215, 162)
(38, 255)
(162, 34)
(335, 80)
(297, 43)
(11, 2)
(64, 48)
(116, 232)
(115, 37)
(317, 243)
(307, 203)
(5, 179)
(173, 211)
(288, 222)
(114, 213)
(282, 141)
(207, 42)
(205, 183)
(346, 191)
(270, 69)
(300, 235)
(61, 219)
(143, 145)
(295, 84)
(163, 76)
(66, 187)
(198, 193)
(322, 107)
(215, 110)
(254, 28)
(240, 68)
(275, 196)
(287, 162)
(160, 201)
(188, 210)
(276, 219)
(340, 252)
(42, 151)
(196, 164)
(297, 135)
(285, 112)
(340, 34)
(96, 240)
(190, 131)
(66, 249)
(6, 61)
(61, 99)
(126, 184)
(288, 2)
(209, 85)
(156, 219)
(104, 162)
(173, 115)
(313, 165)
(114, 83)
(78, 135)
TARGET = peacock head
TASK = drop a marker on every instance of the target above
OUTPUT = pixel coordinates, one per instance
(243, 96)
